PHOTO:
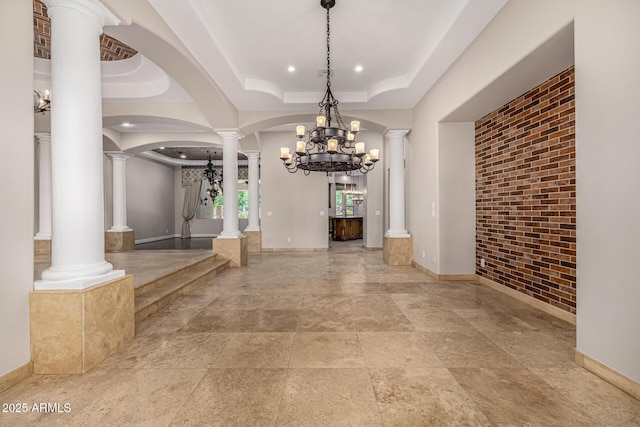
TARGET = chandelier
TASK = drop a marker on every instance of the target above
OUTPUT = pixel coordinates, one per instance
(356, 195)
(214, 176)
(329, 148)
(41, 103)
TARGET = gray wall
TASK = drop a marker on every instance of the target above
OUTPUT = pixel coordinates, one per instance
(150, 198)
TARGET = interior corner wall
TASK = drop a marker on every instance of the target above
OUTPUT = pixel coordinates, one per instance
(607, 39)
(17, 177)
(150, 198)
(456, 187)
(291, 203)
(607, 206)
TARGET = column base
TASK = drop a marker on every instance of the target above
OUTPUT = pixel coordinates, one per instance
(235, 250)
(42, 246)
(254, 239)
(398, 250)
(74, 330)
(119, 241)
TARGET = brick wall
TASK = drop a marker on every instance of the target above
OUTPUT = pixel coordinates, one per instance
(525, 193)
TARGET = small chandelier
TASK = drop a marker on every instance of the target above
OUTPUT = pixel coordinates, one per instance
(356, 195)
(329, 148)
(214, 176)
(41, 103)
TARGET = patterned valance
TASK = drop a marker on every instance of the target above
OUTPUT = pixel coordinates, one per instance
(191, 173)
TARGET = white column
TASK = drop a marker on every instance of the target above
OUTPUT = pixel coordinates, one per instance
(230, 228)
(77, 245)
(254, 200)
(118, 160)
(44, 187)
(397, 226)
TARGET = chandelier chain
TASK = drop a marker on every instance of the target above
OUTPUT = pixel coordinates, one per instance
(328, 51)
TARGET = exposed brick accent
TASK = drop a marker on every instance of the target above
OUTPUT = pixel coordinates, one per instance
(110, 48)
(525, 193)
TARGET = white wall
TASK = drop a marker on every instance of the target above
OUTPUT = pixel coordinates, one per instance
(456, 190)
(294, 200)
(150, 198)
(607, 89)
(17, 177)
(374, 199)
(607, 42)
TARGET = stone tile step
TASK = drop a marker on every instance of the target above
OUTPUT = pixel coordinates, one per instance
(169, 278)
(174, 285)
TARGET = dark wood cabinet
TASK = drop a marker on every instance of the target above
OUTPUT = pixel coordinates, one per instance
(348, 228)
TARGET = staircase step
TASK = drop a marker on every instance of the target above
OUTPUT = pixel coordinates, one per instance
(158, 293)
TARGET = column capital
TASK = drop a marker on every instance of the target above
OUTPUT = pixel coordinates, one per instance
(229, 133)
(118, 155)
(252, 154)
(396, 133)
(92, 8)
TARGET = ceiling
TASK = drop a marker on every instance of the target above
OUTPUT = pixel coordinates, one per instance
(247, 46)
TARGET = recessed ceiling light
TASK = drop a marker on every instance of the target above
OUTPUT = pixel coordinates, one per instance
(183, 156)
(127, 124)
(291, 68)
(162, 148)
(358, 68)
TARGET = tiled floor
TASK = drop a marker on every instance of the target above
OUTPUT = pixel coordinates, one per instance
(336, 338)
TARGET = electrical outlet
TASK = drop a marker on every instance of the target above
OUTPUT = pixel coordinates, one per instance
(288, 239)
(424, 255)
(433, 259)
(483, 263)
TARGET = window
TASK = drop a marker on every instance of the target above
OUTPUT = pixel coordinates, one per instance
(213, 209)
(344, 204)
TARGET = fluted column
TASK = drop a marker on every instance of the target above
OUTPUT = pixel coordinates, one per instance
(254, 200)
(230, 228)
(77, 260)
(44, 187)
(397, 227)
(119, 179)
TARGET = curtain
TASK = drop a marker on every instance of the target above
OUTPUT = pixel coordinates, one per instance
(191, 198)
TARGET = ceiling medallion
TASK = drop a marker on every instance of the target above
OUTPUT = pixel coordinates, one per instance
(329, 148)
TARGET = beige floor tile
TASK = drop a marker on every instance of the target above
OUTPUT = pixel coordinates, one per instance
(457, 349)
(186, 350)
(325, 321)
(163, 322)
(518, 397)
(257, 350)
(382, 288)
(77, 391)
(484, 319)
(243, 321)
(423, 397)
(234, 397)
(133, 353)
(432, 320)
(605, 404)
(535, 349)
(256, 302)
(149, 397)
(397, 349)
(328, 397)
(326, 350)
(423, 301)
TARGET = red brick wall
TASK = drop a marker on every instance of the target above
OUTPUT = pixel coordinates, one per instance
(525, 193)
